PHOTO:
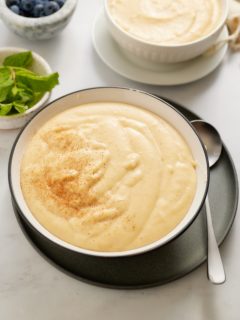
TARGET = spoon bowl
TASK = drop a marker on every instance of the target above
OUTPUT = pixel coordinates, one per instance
(211, 140)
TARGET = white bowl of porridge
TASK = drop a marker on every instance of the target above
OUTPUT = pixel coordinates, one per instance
(165, 31)
(108, 172)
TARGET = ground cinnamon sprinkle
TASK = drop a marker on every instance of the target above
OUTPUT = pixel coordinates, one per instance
(69, 171)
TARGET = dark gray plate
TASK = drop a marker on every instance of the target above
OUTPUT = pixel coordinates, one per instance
(162, 265)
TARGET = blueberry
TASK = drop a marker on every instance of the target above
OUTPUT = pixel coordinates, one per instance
(60, 3)
(13, 3)
(51, 7)
(27, 5)
(38, 10)
(40, 2)
(15, 8)
(25, 13)
(35, 8)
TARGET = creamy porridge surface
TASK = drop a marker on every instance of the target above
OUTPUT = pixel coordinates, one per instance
(166, 21)
(108, 176)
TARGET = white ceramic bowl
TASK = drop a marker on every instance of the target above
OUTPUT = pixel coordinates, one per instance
(38, 28)
(137, 48)
(130, 96)
(39, 66)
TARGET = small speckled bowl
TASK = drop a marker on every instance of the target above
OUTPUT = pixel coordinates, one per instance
(38, 28)
(39, 66)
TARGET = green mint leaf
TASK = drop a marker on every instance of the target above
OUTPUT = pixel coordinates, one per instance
(24, 70)
(22, 59)
(4, 92)
(5, 108)
(25, 96)
(23, 86)
(5, 76)
(20, 95)
(15, 91)
(6, 83)
(37, 96)
(36, 82)
(20, 107)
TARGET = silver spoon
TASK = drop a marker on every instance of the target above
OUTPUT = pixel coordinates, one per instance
(213, 144)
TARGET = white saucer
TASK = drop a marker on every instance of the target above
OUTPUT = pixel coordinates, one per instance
(155, 74)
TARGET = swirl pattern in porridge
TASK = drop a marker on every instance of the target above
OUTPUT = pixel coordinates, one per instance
(108, 176)
(165, 21)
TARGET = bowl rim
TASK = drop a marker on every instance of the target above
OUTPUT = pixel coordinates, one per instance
(169, 46)
(107, 254)
(65, 10)
(39, 59)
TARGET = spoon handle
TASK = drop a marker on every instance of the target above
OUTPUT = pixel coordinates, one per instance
(216, 273)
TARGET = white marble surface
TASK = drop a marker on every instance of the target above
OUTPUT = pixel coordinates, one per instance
(31, 288)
